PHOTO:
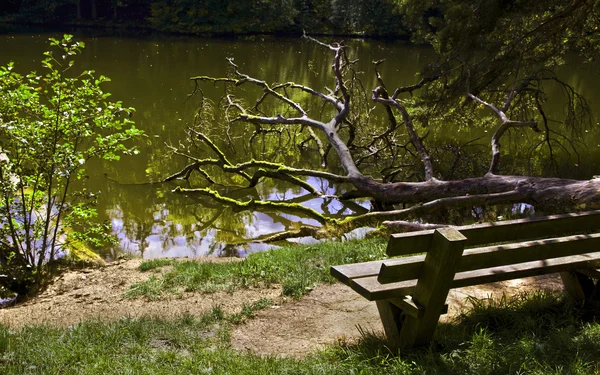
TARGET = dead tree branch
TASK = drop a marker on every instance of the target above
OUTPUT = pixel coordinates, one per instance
(258, 205)
(338, 126)
(506, 125)
(379, 96)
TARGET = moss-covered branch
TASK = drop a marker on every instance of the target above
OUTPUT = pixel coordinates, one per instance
(257, 205)
(303, 231)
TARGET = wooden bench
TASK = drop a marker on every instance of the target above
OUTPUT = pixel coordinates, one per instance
(411, 291)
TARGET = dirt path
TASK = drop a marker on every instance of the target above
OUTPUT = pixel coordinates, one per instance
(289, 328)
(334, 312)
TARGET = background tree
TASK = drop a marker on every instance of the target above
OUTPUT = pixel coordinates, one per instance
(51, 124)
(207, 17)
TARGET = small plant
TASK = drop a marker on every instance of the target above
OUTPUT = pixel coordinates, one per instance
(51, 124)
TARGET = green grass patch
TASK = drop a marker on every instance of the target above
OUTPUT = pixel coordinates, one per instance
(249, 310)
(529, 334)
(296, 268)
(152, 264)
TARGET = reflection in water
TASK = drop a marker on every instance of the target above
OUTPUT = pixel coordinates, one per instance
(152, 74)
(153, 223)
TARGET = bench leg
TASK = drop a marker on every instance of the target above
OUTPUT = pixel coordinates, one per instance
(430, 292)
(392, 318)
(420, 331)
(595, 297)
(578, 286)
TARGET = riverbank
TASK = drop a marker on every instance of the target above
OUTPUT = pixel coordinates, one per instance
(284, 326)
(88, 321)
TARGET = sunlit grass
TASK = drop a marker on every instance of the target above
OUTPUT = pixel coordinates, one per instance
(530, 334)
(296, 268)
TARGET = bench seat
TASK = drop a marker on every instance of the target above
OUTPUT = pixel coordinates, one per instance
(370, 288)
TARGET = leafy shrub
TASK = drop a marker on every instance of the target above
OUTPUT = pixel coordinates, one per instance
(51, 124)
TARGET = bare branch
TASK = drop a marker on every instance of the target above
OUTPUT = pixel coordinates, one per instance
(320, 147)
(506, 124)
(294, 171)
(184, 173)
(510, 97)
(379, 95)
(416, 86)
(281, 120)
(267, 89)
(306, 36)
(498, 112)
(281, 175)
(399, 226)
(309, 90)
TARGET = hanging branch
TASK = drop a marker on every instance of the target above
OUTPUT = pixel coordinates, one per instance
(379, 96)
(506, 124)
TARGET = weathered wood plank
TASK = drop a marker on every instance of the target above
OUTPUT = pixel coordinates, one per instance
(409, 243)
(372, 289)
(346, 272)
(494, 256)
(535, 268)
(502, 231)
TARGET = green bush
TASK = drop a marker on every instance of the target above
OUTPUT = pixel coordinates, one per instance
(51, 123)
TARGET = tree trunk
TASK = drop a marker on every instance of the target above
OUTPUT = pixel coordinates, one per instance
(551, 192)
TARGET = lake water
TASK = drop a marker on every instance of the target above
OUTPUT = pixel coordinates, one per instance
(151, 73)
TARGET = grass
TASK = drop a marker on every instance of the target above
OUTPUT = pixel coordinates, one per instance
(535, 333)
(296, 268)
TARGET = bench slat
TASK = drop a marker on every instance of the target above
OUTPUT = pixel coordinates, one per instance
(495, 256)
(535, 268)
(346, 272)
(502, 231)
(371, 289)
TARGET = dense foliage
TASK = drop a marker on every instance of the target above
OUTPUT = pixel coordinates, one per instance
(373, 17)
(51, 123)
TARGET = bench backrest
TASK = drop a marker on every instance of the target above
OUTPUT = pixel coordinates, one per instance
(502, 231)
(401, 269)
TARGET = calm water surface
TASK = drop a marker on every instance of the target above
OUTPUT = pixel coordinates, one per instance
(152, 74)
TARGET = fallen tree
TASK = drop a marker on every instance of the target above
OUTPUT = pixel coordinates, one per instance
(338, 128)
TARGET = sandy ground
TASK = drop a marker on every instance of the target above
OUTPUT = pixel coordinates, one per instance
(335, 312)
(288, 328)
(97, 293)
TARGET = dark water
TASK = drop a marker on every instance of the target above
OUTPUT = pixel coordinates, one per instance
(152, 74)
